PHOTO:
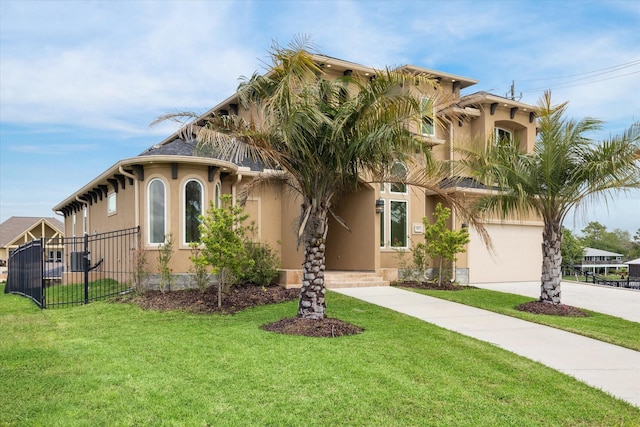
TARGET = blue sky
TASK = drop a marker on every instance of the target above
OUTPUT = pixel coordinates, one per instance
(81, 81)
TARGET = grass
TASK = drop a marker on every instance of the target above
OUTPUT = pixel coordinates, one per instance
(600, 326)
(60, 295)
(115, 364)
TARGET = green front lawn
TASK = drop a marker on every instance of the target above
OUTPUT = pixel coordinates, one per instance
(600, 326)
(115, 364)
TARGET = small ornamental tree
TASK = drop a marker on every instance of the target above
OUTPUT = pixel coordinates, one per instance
(222, 236)
(165, 252)
(441, 242)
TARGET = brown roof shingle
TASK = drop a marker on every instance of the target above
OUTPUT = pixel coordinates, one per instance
(16, 226)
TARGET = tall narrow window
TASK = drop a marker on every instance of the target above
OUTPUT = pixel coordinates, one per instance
(217, 195)
(399, 172)
(426, 126)
(382, 226)
(398, 223)
(193, 203)
(111, 203)
(156, 211)
(85, 220)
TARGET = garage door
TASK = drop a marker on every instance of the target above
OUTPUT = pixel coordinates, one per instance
(517, 254)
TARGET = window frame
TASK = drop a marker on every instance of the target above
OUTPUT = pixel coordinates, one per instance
(184, 208)
(496, 134)
(150, 211)
(112, 196)
(406, 173)
(431, 128)
(406, 224)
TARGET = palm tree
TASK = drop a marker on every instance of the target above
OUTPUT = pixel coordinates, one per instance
(325, 135)
(566, 170)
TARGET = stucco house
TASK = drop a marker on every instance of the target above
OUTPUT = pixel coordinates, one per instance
(166, 187)
(600, 261)
(19, 230)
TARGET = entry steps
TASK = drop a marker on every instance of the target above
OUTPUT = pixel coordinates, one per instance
(353, 279)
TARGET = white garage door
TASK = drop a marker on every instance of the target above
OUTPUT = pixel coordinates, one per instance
(517, 254)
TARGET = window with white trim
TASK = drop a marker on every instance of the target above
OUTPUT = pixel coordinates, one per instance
(217, 195)
(427, 127)
(85, 220)
(400, 172)
(156, 196)
(193, 208)
(111, 203)
(502, 136)
(398, 223)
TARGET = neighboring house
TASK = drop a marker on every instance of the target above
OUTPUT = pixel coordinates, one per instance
(165, 188)
(19, 230)
(634, 267)
(600, 261)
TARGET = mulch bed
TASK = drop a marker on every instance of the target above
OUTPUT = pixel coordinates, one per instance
(539, 307)
(328, 327)
(206, 302)
(241, 298)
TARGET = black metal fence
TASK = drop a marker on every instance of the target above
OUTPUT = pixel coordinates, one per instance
(69, 271)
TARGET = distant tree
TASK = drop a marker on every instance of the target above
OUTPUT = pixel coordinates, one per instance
(596, 235)
(572, 248)
(441, 242)
(634, 252)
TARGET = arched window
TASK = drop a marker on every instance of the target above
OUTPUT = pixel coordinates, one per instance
(399, 171)
(193, 205)
(157, 211)
(217, 195)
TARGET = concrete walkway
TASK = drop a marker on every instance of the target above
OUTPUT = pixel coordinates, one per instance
(614, 369)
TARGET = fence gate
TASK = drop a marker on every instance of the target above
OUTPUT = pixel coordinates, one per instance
(69, 271)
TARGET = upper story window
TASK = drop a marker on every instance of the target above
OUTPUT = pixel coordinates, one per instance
(400, 172)
(502, 136)
(427, 124)
(193, 208)
(157, 211)
(111, 203)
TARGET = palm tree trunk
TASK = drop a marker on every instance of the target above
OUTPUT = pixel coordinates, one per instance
(551, 264)
(312, 303)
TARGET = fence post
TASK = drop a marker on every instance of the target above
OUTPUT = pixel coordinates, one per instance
(43, 257)
(85, 266)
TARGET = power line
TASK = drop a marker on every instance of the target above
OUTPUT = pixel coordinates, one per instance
(606, 70)
(569, 84)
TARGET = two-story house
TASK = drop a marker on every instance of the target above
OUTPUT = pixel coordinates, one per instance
(165, 188)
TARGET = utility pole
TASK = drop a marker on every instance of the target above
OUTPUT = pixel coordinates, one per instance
(512, 92)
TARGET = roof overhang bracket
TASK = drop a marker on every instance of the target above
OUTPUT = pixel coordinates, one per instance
(139, 171)
(211, 172)
(114, 184)
(494, 105)
(174, 171)
(514, 110)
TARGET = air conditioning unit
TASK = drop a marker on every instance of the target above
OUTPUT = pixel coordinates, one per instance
(79, 261)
